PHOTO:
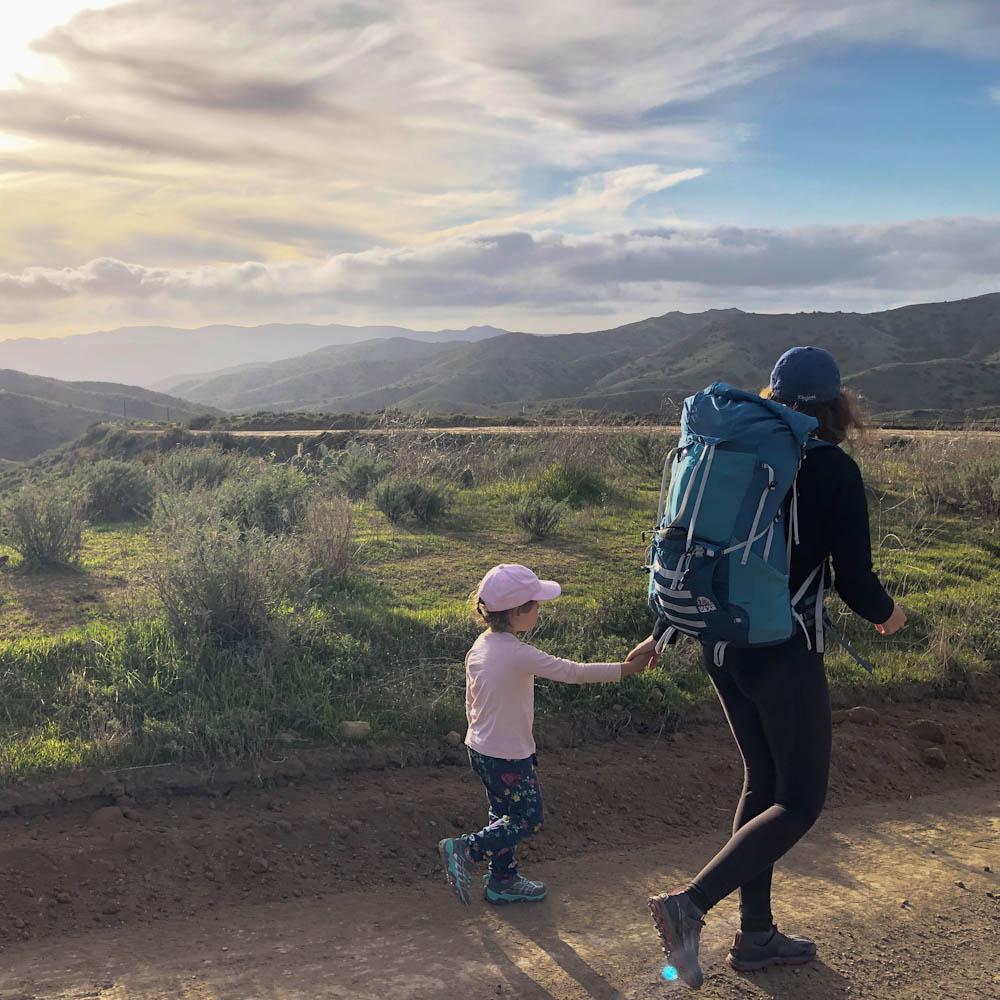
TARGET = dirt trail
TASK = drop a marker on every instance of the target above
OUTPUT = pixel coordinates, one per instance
(548, 429)
(845, 885)
(328, 885)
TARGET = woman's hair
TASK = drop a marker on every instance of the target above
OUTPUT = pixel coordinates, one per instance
(498, 621)
(839, 419)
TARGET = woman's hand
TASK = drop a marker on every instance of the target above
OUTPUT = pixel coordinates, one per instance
(644, 655)
(893, 623)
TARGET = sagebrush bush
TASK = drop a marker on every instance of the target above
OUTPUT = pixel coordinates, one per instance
(411, 499)
(538, 516)
(358, 471)
(44, 523)
(644, 453)
(115, 490)
(571, 482)
(187, 468)
(326, 541)
(978, 486)
(221, 585)
(272, 498)
(174, 511)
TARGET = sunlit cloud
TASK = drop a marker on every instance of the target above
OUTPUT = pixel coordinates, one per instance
(371, 137)
(554, 271)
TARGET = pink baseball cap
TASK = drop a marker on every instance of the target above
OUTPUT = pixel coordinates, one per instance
(510, 585)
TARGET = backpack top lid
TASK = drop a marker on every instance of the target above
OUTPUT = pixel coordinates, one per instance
(722, 413)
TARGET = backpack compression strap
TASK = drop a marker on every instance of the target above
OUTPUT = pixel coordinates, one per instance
(841, 641)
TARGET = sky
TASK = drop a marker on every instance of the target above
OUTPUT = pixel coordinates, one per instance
(528, 164)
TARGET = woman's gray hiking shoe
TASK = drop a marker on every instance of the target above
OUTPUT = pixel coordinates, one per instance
(753, 950)
(679, 923)
(457, 867)
(515, 890)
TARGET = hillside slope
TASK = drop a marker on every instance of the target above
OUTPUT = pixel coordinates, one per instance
(913, 358)
(156, 357)
(40, 413)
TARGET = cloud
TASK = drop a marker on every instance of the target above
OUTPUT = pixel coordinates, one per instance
(554, 271)
(290, 131)
(599, 201)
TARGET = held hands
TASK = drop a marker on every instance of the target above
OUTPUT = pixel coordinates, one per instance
(895, 622)
(643, 656)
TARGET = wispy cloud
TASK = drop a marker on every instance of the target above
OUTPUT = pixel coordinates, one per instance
(295, 131)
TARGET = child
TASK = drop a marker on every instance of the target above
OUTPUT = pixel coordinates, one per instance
(499, 702)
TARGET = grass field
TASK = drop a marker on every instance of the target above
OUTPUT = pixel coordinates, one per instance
(121, 657)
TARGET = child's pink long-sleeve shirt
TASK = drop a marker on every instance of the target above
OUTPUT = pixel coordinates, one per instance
(500, 673)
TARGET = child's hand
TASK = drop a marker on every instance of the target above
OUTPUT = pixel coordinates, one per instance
(644, 655)
(635, 666)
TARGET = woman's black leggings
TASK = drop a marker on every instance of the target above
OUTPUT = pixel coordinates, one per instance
(778, 705)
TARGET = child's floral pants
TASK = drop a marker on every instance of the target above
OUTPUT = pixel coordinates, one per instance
(515, 811)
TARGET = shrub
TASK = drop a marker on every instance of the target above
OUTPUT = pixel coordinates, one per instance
(175, 512)
(45, 525)
(978, 485)
(173, 437)
(411, 499)
(538, 517)
(645, 453)
(572, 483)
(186, 468)
(273, 500)
(359, 471)
(221, 586)
(326, 541)
(116, 490)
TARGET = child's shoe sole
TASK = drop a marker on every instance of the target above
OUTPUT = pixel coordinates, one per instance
(457, 868)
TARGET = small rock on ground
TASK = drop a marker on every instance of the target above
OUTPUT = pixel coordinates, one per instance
(355, 730)
(927, 730)
(109, 816)
(935, 757)
(861, 715)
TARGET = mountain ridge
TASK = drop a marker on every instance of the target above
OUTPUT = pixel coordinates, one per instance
(155, 356)
(38, 413)
(643, 367)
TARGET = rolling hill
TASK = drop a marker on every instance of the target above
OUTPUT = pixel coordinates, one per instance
(156, 356)
(940, 359)
(39, 413)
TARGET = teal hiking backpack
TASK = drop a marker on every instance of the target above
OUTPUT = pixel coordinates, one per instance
(718, 562)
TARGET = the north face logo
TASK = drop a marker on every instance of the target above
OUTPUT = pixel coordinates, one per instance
(705, 605)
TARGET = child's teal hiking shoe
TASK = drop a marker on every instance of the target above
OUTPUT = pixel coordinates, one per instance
(457, 867)
(515, 890)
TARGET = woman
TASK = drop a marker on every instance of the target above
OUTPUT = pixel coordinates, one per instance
(776, 698)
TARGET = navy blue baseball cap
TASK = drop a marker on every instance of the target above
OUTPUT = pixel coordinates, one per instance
(805, 375)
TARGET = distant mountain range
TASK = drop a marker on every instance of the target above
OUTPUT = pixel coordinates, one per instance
(39, 413)
(932, 361)
(155, 356)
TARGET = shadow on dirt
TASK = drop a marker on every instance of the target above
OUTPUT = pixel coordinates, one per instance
(802, 983)
(541, 925)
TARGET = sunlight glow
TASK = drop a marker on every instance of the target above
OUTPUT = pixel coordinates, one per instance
(21, 24)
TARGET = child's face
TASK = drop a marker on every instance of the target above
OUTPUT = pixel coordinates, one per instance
(525, 618)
